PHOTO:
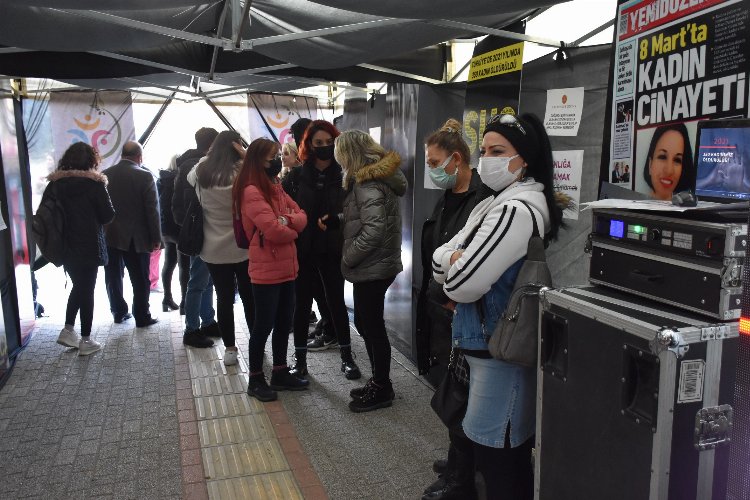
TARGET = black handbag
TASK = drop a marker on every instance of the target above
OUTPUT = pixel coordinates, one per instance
(190, 240)
(450, 399)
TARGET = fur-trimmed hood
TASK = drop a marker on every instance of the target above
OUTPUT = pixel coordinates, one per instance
(386, 170)
(83, 174)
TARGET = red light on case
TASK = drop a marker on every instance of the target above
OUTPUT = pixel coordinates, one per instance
(745, 326)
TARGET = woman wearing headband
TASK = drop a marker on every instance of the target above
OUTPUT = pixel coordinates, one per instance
(478, 269)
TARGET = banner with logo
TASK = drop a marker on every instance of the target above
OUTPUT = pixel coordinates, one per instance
(271, 115)
(102, 119)
(675, 62)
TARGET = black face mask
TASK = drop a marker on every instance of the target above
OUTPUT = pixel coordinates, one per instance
(324, 153)
(274, 167)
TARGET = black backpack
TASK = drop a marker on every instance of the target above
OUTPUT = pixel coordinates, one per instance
(48, 226)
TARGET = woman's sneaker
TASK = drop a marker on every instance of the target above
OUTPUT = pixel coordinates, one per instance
(322, 342)
(375, 396)
(230, 357)
(88, 346)
(68, 337)
(282, 380)
(258, 388)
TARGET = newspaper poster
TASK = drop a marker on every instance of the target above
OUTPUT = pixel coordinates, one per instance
(676, 62)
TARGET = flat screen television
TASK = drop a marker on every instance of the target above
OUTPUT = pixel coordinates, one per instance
(722, 158)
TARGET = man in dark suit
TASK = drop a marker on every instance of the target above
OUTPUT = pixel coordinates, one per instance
(133, 235)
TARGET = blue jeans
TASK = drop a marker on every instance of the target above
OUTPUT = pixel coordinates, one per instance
(274, 308)
(199, 298)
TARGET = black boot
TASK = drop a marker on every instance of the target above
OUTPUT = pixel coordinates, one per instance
(457, 483)
(283, 380)
(168, 304)
(258, 388)
(376, 395)
(194, 338)
(300, 363)
(440, 465)
(348, 366)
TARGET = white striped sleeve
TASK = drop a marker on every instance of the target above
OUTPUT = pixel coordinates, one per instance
(441, 258)
(501, 240)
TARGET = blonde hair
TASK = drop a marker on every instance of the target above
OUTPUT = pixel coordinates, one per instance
(449, 138)
(355, 149)
(290, 147)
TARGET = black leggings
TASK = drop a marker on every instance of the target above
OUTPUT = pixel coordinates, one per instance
(81, 296)
(369, 302)
(174, 258)
(224, 276)
(507, 472)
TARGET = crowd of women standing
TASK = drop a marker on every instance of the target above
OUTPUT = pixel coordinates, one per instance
(336, 217)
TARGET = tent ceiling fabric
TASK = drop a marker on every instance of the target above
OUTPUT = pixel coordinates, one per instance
(438, 9)
(63, 39)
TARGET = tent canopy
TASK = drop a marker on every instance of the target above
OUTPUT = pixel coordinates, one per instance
(273, 45)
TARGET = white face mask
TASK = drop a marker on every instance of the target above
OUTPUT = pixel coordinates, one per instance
(494, 172)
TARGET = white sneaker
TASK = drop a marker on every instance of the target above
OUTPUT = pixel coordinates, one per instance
(230, 357)
(88, 346)
(68, 338)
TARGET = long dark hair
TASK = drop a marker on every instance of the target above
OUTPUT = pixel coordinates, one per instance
(687, 177)
(79, 156)
(221, 163)
(253, 171)
(532, 144)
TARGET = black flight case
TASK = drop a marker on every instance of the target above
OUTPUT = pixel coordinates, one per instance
(633, 399)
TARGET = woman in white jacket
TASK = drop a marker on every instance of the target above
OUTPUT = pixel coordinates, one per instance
(212, 178)
(478, 268)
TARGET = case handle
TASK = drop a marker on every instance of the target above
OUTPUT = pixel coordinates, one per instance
(646, 276)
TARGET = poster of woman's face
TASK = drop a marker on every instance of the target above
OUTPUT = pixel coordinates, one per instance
(664, 156)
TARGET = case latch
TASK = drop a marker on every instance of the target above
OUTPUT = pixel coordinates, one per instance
(669, 340)
(713, 427)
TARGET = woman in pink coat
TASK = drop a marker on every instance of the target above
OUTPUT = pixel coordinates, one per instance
(272, 221)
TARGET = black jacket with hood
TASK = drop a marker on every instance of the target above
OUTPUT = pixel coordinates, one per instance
(87, 206)
(433, 320)
(317, 200)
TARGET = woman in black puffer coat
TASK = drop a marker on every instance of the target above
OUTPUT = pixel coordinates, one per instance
(170, 231)
(83, 194)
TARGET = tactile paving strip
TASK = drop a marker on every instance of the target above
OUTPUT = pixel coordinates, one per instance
(243, 459)
(219, 384)
(241, 455)
(226, 405)
(276, 486)
(220, 431)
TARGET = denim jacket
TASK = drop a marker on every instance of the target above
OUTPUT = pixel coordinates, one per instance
(469, 331)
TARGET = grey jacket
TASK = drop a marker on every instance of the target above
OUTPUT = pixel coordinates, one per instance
(133, 193)
(372, 221)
